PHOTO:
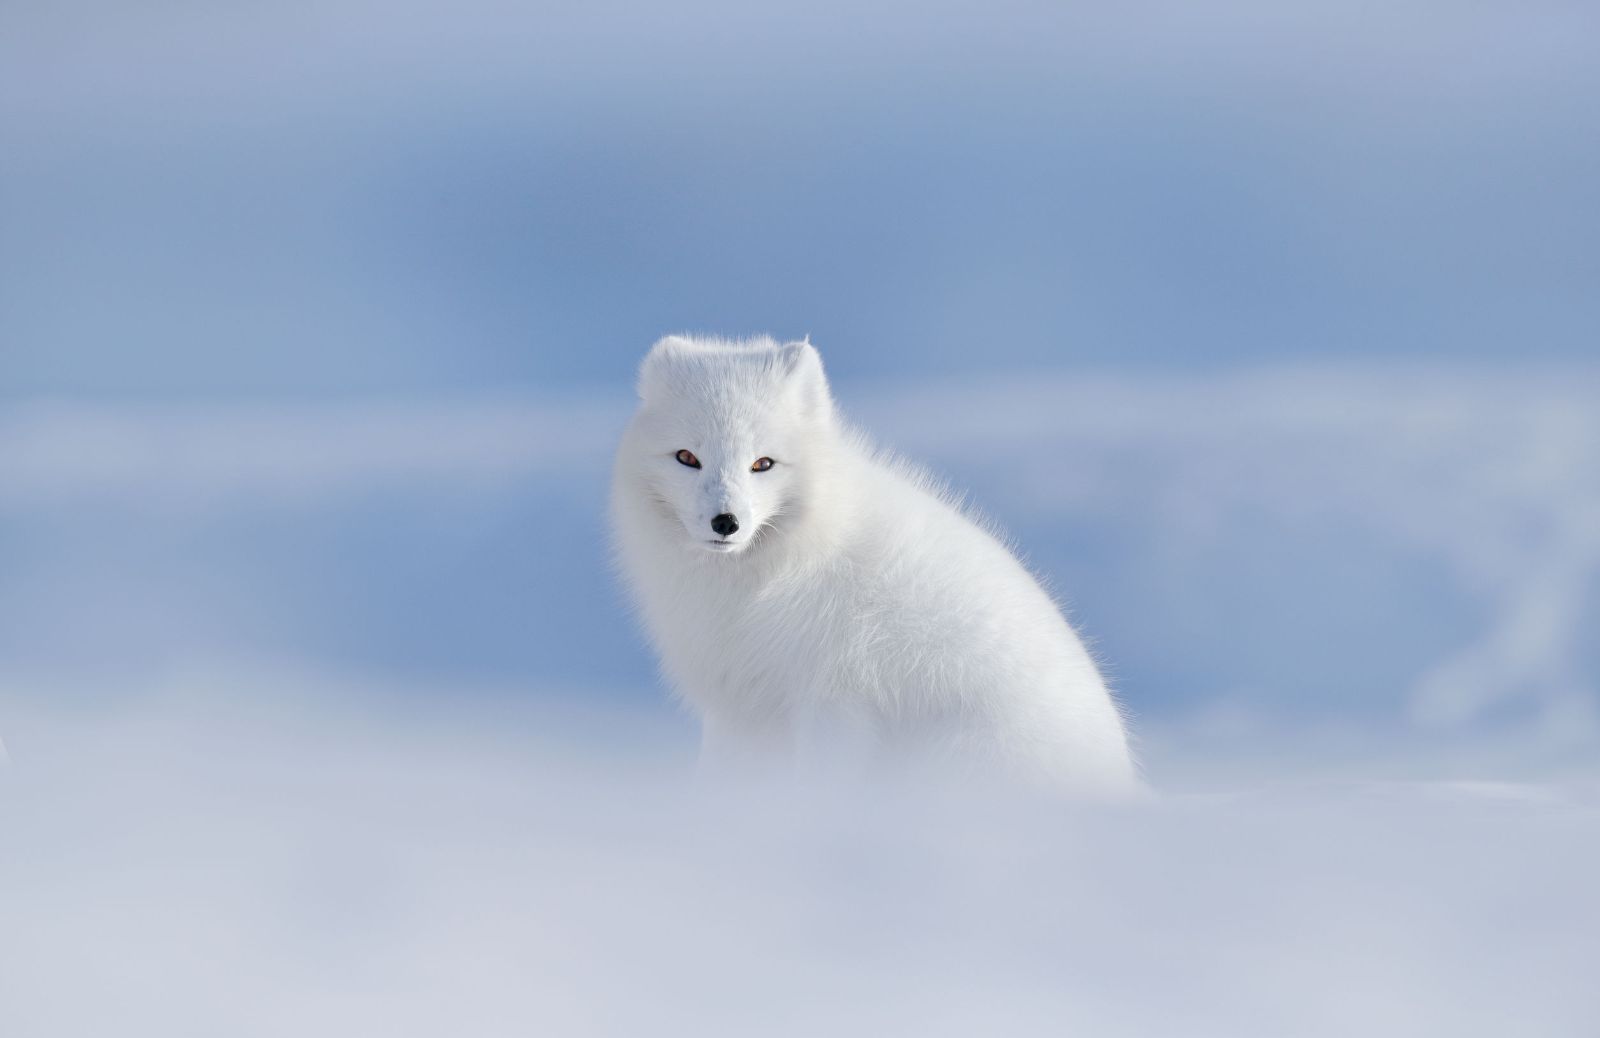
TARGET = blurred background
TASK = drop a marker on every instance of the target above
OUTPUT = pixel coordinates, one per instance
(1270, 332)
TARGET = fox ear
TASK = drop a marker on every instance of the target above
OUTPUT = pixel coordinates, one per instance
(653, 372)
(802, 366)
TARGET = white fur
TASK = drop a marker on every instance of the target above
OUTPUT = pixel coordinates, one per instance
(858, 612)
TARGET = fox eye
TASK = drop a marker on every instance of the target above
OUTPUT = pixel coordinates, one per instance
(761, 465)
(688, 458)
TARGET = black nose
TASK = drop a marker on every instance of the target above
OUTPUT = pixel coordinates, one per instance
(724, 524)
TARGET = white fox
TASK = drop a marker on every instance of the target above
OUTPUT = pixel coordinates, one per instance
(813, 598)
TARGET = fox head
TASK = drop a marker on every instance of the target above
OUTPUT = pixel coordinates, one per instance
(729, 436)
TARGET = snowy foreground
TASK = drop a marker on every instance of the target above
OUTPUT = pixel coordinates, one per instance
(259, 668)
(200, 865)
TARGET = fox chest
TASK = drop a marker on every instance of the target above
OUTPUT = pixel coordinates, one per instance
(751, 653)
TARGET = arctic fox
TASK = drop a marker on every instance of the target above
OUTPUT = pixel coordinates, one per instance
(810, 596)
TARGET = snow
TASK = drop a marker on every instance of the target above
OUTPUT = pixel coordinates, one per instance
(214, 861)
(311, 731)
